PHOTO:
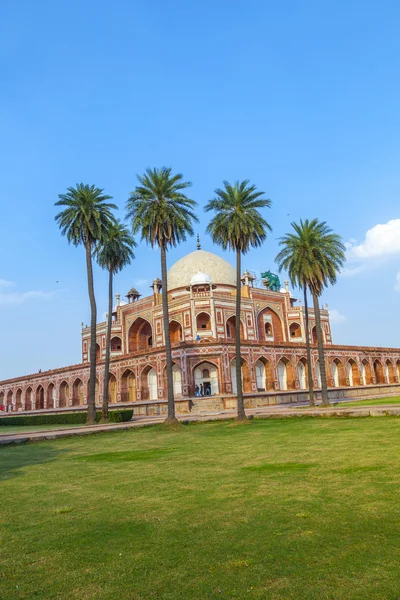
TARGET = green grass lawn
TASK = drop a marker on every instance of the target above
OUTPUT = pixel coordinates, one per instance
(276, 509)
(372, 402)
(349, 404)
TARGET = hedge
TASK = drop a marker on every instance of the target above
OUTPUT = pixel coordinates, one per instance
(114, 416)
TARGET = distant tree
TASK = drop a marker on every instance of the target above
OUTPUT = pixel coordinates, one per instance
(238, 226)
(313, 257)
(163, 215)
(85, 220)
(113, 253)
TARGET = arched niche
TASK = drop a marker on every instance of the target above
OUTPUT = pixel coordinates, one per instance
(270, 326)
(140, 336)
(128, 386)
(264, 375)
(206, 374)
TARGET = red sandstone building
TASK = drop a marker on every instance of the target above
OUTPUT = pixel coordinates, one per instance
(201, 295)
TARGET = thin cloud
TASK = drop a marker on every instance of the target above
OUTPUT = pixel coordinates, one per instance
(5, 284)
(18, 298)
(336, 318)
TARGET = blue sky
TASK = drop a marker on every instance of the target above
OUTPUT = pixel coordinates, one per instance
(302, 98)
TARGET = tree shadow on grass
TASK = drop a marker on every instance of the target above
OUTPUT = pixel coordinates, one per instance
(14, 459)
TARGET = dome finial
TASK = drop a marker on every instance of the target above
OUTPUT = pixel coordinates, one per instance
(198, 242)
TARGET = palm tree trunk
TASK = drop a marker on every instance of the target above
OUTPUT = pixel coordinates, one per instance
(171, 418)
(104, 410)
(308, 347)
(321, 356)
(241, 415)
(91, 412)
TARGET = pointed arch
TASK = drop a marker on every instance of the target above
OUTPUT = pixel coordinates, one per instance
(51, 395)
(366, 374)
(128, 386)
(398, 370)
(264, 375)
(389, 372)
(246, 378)
(140, 336)
(148, 380)
(112, 388)
(206, 374)
(203, 322)
(230, 328)
(64, 394)
(39, 403)
(353, 374)
(302, 373)
(28, 398)
(175, 331)
(285, 374)
(77, 392)
(294, 331)
(270, 325)
(10, 398)
(176, 379)
(116, 344)
(378, 371)
(18, 399)
(338, 373)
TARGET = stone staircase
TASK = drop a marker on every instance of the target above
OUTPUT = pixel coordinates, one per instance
(207, 404)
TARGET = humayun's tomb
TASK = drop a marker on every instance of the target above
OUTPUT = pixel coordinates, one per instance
(201, 295)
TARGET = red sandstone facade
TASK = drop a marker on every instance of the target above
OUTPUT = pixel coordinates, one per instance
(202, 325)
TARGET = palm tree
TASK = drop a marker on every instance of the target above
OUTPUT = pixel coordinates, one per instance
(85, 220)
(313, 257)
(163, 215)
(238, 226)
(113, 253)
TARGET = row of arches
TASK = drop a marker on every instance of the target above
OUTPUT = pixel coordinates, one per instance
(263, 376)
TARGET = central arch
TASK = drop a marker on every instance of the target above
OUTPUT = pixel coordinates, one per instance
(140, 336)
(203, 322)
(128, 386)
(206, 374)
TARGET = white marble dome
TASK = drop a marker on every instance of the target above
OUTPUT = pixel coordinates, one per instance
(218, 270)
(200, 278)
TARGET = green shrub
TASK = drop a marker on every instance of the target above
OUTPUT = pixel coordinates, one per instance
(115, 416)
